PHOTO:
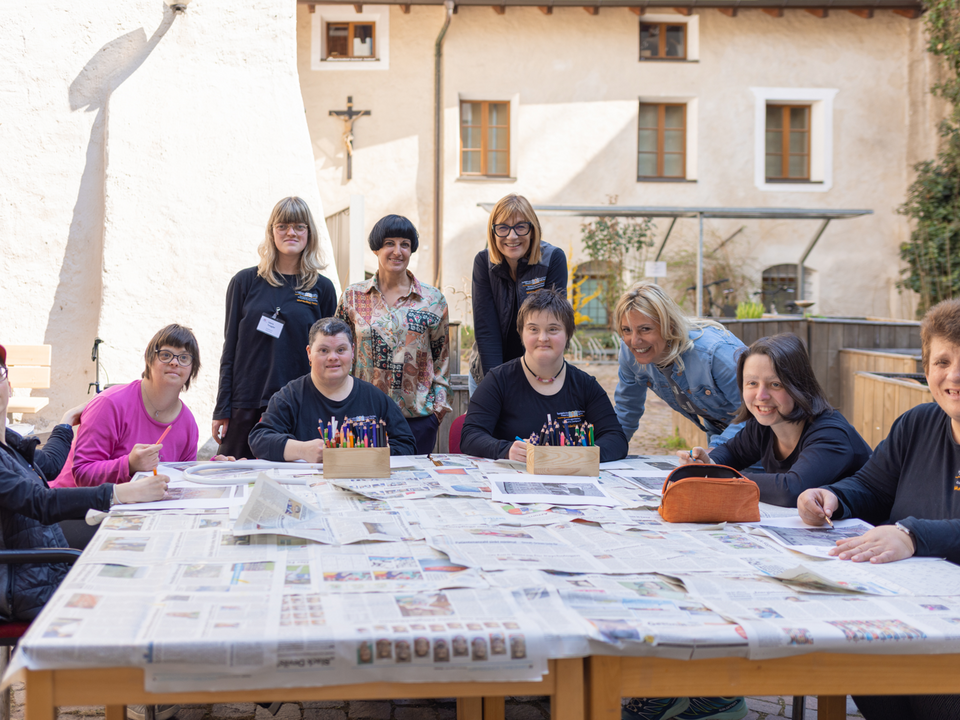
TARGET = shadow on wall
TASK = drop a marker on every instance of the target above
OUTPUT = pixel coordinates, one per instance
(74, 317)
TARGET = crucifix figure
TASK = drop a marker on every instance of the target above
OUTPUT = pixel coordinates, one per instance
(349, 117)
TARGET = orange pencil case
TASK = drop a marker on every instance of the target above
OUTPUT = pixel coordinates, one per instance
(709, 493)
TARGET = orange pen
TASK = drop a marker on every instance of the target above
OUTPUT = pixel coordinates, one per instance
(169, 428)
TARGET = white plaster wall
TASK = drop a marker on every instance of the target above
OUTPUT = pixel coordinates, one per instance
(143, 153)
(579, 81)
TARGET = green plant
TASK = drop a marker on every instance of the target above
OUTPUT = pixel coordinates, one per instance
(749, 310)
(612, 240)
(933, 199)
(467, 337)
(675, 442)
(728, 261)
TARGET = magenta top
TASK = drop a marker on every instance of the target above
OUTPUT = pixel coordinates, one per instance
(113, 422)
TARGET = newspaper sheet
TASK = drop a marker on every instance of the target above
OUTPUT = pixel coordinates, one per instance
(552, 490)
(793, 533)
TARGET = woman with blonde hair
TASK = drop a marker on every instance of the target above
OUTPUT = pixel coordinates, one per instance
(690, 363)
(515, 263)
(270, 309)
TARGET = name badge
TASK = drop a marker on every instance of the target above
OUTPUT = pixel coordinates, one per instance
(270, 326)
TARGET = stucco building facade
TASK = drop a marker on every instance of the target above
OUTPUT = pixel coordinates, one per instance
(577, 93)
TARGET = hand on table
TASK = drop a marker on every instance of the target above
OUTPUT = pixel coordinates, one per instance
(224, 458)
(518, 451)
(147, 489)
(311, 451)
(697, 455)
(143, 458)
(220, 429)
(816, 506)
(882, 544)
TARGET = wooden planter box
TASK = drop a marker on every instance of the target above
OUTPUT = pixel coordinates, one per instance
(360, 463)
(853, 361)
(878, 401)
(563, 460)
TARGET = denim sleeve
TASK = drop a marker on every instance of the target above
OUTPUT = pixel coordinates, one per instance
(630, 396)
(729, 433)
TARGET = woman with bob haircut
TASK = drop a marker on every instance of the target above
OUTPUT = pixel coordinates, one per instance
(690, 363)
(909, 490)
(515, 263)
(120, 427)
(514, 399)
(270, 309)
(791, 429)
(401, 329)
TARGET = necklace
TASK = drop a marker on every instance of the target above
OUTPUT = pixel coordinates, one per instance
(523, 359)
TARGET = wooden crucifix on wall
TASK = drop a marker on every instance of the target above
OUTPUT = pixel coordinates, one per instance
(349, 117)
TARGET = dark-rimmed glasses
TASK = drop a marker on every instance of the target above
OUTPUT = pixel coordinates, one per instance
(520, 229)
(184, 359)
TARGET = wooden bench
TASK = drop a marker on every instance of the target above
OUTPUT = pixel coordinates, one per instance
(28, 366)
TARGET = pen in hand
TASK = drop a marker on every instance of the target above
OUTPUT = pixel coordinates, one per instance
(169, 428)
(824, 512)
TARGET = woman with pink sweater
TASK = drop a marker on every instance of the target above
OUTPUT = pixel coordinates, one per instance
(120, 428)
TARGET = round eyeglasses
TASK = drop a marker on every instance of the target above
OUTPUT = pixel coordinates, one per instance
(184, 359)
(520, 229)
(298, 228)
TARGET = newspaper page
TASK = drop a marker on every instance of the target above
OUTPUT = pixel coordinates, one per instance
(560, 490)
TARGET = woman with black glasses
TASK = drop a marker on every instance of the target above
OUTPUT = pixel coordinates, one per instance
(121, 428)
(515, 264)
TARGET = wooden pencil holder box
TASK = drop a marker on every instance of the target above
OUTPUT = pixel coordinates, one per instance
(563, 460)
(360, 463)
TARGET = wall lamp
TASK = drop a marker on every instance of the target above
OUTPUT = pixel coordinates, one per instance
(178, 6)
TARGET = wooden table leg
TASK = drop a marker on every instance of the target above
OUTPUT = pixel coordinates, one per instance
(39, 697)
(494, 708)
(603, 688)
(470, 708)
(569, 701)
(115, 712)
(832, 707)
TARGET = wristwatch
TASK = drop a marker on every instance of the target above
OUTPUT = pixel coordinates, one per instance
(904, 528)
(113, 497)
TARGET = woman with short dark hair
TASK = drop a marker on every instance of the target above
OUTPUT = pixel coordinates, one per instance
(791, 429)
(270, 309)
(908, 489)
(400, 325)
(290, 428)
(120, 427)
(514, 399)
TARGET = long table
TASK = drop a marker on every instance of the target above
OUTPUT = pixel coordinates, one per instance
(589, 687)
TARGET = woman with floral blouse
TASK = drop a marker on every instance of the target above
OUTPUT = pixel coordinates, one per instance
(400, 326)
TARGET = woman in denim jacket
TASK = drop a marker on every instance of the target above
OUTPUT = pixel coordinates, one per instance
(691, 363)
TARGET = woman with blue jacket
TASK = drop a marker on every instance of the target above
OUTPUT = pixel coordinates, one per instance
(691, 363)
(515, 264)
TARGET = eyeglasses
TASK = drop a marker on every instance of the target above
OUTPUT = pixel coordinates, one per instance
(299, 228)
(165, 356)
(520, 229)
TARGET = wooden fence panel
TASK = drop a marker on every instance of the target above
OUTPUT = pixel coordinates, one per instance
(873, 361)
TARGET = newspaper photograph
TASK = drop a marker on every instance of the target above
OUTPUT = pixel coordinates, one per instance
(551, 490)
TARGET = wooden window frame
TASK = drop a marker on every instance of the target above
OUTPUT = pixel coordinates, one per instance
(785, 153)
(350, 25)
(661, 121)
(484, 126)
(662, 38)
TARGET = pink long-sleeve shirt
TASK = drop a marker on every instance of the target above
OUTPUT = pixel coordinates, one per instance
(113, 422)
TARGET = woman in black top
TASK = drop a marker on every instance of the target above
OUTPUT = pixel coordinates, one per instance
(514, 264)
(791, 430)
(270, 309)
(515, 398)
